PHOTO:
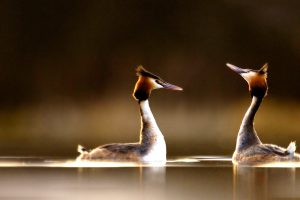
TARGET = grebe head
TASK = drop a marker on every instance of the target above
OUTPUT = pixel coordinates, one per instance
(147, 82)
(256, 79)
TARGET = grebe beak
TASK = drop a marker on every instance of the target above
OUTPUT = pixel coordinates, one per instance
(236, 69)
(170, 86)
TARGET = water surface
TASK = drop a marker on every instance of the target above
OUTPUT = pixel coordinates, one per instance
(193, 177)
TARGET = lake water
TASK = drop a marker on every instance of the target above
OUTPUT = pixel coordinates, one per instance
(193, 177)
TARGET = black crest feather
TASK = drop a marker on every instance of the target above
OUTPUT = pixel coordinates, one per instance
(141, 71)
(264, 69)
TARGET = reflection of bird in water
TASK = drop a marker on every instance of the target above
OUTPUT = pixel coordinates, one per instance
(249, 148)
(152, 146)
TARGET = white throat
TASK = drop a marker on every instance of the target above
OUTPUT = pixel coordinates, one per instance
(151, 137)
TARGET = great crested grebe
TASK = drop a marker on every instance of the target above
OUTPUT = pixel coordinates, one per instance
(249, 149)
(152, 146)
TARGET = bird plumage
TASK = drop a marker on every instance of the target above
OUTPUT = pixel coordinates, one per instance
(151, 146)
(249, 149)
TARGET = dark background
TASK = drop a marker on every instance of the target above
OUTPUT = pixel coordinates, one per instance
(67, 72)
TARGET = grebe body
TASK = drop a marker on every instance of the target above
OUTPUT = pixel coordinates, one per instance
(151, 146)
(249, 148)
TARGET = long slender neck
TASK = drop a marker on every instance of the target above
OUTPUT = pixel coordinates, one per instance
(247, 135)
(150, 132)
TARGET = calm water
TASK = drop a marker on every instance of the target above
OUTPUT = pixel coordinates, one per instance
(196, 177)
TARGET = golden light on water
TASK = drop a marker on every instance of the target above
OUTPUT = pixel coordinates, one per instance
(38, 176)
(184, 160)
(189, 161)
(77, 164)
(280, 165)
(69, 163)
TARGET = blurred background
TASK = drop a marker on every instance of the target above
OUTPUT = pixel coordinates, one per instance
(67, 71)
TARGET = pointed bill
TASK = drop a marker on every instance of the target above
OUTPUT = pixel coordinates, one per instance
(170, 86)
(236, 69)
